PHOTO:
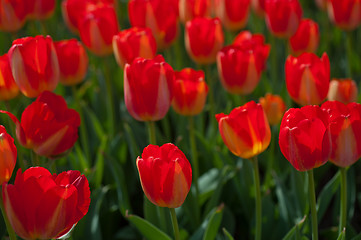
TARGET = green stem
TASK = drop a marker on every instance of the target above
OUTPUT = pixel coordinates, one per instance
(11, 232)
(343, 202)
(349, 51)
(258, 202)
(109, 98)
(35, 159)
(212, 105)
(274, 62)
(312, 196)
(175, 224)
(151, 132)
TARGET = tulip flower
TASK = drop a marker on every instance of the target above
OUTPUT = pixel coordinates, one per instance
(345, 14)
(148, 88)
(245, 130)
(343, 90)
(73, 61)
(40, 9)
(283, 17)
(190, 92)
(240, 65)
(190, 9)
(8, 155)
(8, 87)
(306, 38)
(132, 43)
(97, 29)
(259, 7)
(161, 16)
(308, 78)
(34, 65)
(274, 107)
(233, 13)
(41, 205)
(12, 15)
(165, 175)
(203, 39)
(47, 126)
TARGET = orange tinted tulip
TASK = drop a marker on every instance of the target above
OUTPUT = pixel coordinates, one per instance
(12, 15)
(306, 38)
(245, 130)
(165, 175)
(233, 13)
(274, 107)
(343, 90)
(345, 129)
(190, 92)
(308, 78)
(345, 14)
(148, 88)
(73, 61)
(8, 87)
(283, 17)
(34, 65)
(8, 155)
(203, 39)
(240, 65)
(132, 43)
(189, 9)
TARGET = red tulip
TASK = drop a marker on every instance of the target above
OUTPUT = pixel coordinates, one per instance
(8, 87)
(190, 9)
(190, 92)
(44, 206)
(165, 175)
(161, 16)
(97, 29)
(240, 65)
(245, 130)
(132, 43)
(345, 14)
(345, 129)
(8, 155)
(203, 39)
(73, 61)
(283, 17)
(305, 138)
(274, 107)
(308, 78)
(343, 90)
(233, 13)
(34, 65)
(12, 15)
(259, 7)
(148, 88)
(40, 9)
(306, 38)
(48, 126)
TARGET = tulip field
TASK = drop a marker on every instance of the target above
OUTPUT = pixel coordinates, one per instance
(180, 119)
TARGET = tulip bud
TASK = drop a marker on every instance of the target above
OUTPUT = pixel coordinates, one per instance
(190, 9)
(245, 131)
(34, 65)
(97, 29)
(132, 43)
(283, 17)
(343, 90)
(345, 130)
(165, 175)
(41, 205)
(233, 13)
(240, 65)
(274, 107)
(12, 15)
(73, 61)
(148, 88)
(308, 78)
(306, 38)
(345, 14)
(48, 126)
(190, 92)
(203, 39)
(40, 9)
(8, 155)
(8, 87)
(305, 137)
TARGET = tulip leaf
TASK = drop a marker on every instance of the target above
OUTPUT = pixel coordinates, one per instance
(357, 237)
(148, 230)
(213, 224)
(327, 193)
(342, 235)
(227, 234)
(99, 165)
(96, 123)
(294, 233)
